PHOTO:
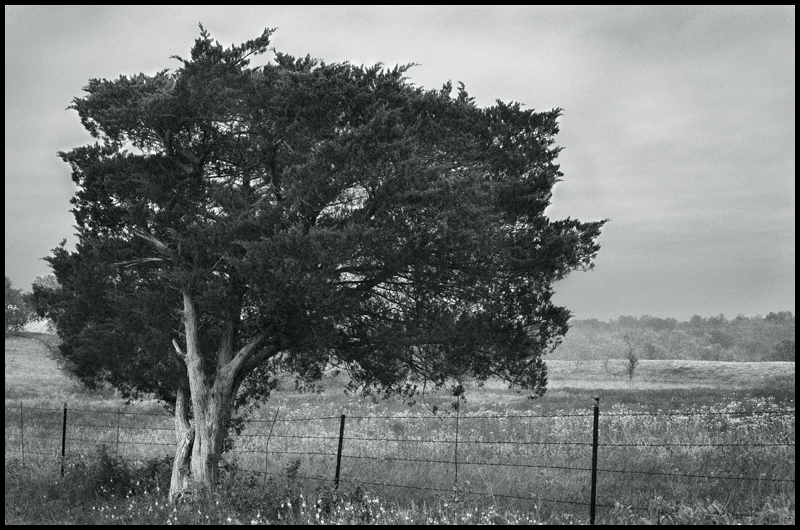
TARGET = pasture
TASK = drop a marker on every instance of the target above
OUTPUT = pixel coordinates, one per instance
(682, 441)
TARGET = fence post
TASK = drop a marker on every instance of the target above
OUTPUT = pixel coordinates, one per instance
(21, 434)
(594, 459)
(339, 453)
(116, 450)
(266, 447)
(455, 456)
(63, 438)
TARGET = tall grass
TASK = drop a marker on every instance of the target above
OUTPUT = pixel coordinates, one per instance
(675, 448)
(511, 467)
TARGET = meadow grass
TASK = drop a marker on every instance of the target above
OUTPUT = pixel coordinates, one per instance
(667, 437)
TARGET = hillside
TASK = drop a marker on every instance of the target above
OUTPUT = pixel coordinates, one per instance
(31, 370)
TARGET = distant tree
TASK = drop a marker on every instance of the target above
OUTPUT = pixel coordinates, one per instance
(587, 339)
(46, 282)
(43, 285)
(632, 338)
(722, 338)
(780, 316)
(18, 308)
(659, 324)
(784, 351)
(306, 215)
(696, 321)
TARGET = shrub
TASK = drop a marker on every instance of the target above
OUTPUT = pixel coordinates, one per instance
(109, 476)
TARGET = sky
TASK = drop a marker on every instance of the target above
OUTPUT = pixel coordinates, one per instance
(678, 125)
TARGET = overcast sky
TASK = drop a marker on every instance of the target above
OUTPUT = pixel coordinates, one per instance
(678, 125)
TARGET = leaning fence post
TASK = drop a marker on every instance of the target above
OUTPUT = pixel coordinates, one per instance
(339, 453)
(63, 439)
(594, 460)
(266, 447)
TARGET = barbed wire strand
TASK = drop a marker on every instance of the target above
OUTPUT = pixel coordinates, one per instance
(686, 414)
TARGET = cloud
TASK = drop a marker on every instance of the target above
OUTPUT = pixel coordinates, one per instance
(678, 124)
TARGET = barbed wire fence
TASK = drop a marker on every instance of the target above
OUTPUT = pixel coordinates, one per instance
(444, 456)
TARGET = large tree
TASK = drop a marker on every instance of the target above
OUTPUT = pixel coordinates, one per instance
(233, 219)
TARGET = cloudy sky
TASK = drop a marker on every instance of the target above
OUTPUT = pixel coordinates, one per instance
(678, 125)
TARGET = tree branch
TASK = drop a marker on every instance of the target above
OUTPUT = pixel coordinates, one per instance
(181, 355)
(160, 245)
(137, 261)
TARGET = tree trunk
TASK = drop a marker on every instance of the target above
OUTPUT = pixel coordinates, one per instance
(212, 401)
(210, 428)
(184, 433)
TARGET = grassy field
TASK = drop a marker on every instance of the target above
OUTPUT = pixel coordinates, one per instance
(675, 446)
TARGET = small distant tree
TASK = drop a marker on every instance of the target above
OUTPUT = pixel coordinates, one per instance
(19, 310)
(304, 215)
(632, 338)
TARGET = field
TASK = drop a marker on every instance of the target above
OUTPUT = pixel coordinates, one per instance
(682, 441)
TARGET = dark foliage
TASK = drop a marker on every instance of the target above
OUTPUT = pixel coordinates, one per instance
(353, 218)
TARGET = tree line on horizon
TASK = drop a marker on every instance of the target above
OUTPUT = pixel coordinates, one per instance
(714, 338)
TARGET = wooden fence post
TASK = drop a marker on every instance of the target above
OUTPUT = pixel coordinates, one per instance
(592, 504)
(339, 453)
(21, 434)
(455, 455)
(266, 447)
(63, 439)
(116, 450)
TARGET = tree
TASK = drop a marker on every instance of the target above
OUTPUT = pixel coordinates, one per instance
(784, 351)
(632, 338)
(304, 215)
(18, 308)
(44, 288)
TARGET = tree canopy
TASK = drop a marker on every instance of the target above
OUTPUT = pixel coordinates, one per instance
(303, 214)
(19, 310)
